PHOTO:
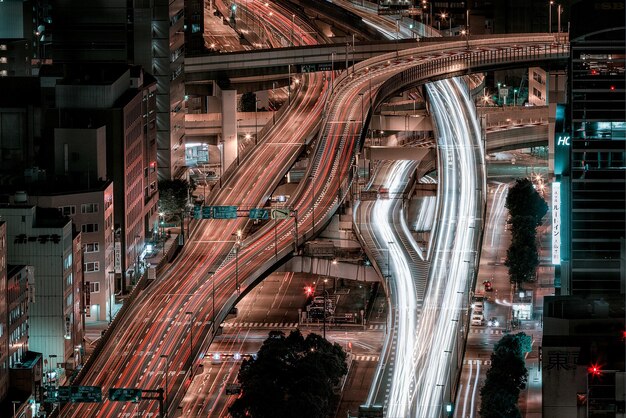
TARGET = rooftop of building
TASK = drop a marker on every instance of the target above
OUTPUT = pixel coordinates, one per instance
(579, 307)
(55, 186)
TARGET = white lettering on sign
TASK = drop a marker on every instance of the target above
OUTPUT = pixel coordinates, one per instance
(556, 223)
(563, 140)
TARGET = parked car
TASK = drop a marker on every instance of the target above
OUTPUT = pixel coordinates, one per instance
(478, 307)
(478, 319)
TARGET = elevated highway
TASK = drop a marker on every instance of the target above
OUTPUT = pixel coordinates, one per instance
(272, 64)
(142, 353)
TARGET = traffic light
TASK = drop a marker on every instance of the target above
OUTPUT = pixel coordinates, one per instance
(594, 370)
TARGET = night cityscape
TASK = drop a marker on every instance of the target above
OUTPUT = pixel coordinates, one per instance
(313, 208)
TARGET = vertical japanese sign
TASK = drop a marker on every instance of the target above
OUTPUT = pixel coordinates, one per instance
(556, 223)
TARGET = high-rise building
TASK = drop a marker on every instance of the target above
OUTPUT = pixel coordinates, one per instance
(150, 34)
(590, 155)
(105, 127)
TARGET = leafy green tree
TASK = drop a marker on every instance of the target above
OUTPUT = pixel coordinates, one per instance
(523, 200)
(173, 196)
(522, 257)
(506, 377)
(292, 377)
(248, 101)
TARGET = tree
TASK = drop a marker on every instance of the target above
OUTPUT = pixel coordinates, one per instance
(292, 376)
(506, 377)
(173, 196)
(248, 102)
(522, 257)
(523, 200)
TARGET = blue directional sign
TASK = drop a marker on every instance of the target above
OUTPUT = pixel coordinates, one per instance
(224, 212)
(259, 213)
(206, 212)
(197, 212)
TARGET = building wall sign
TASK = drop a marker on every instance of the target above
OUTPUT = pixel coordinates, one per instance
(556, 223)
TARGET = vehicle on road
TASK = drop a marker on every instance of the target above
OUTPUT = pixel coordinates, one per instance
(478, 307)
(478, 319)
(493, 322)
(488, 286)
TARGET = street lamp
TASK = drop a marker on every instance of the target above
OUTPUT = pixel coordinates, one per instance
(15, 403)
(514, 97)
(256, 124)
(111, 296)
(237, 245)
(166, 357)
(324, 307)
(550, 16)
(191, 336)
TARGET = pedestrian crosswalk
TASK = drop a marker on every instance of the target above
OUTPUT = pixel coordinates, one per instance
(379, 327)
(476, 361)
(366, 358)
(260, 324)
(486, 331)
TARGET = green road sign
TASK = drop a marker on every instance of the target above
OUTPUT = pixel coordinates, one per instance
(74, 394)
(206, 212)
(197, 212)
(282, 213)
(259, 213)
(224, 212)
(124, 394)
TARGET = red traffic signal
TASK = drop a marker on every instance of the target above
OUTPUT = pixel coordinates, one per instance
(594, 369)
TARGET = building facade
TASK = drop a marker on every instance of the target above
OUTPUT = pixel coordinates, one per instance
(593, 183)
(150, 34)
(4, 318)
(18, 277)
(91, 212)
(43, 238)
(120, 102)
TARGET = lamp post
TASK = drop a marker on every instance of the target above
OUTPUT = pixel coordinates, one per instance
(111, 295)
(15, 403)
(332, 72)
(293, 23)
(514, 97)
(237, 245)
(550, 16)
(312, 177)
(256, 123)
(190, 335)
(442, 406)
(324, 307)
(166, 357)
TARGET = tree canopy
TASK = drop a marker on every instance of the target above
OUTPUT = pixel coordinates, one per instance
(523, 200)
(522, 257)
(292, 376)
(173, 196)
(506, 377)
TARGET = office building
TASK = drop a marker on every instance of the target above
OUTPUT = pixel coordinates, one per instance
(590, 155)
(43, 239)
(91, 212)
(4, 317)
(105, 127)
(150, 34)
(18, 278)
